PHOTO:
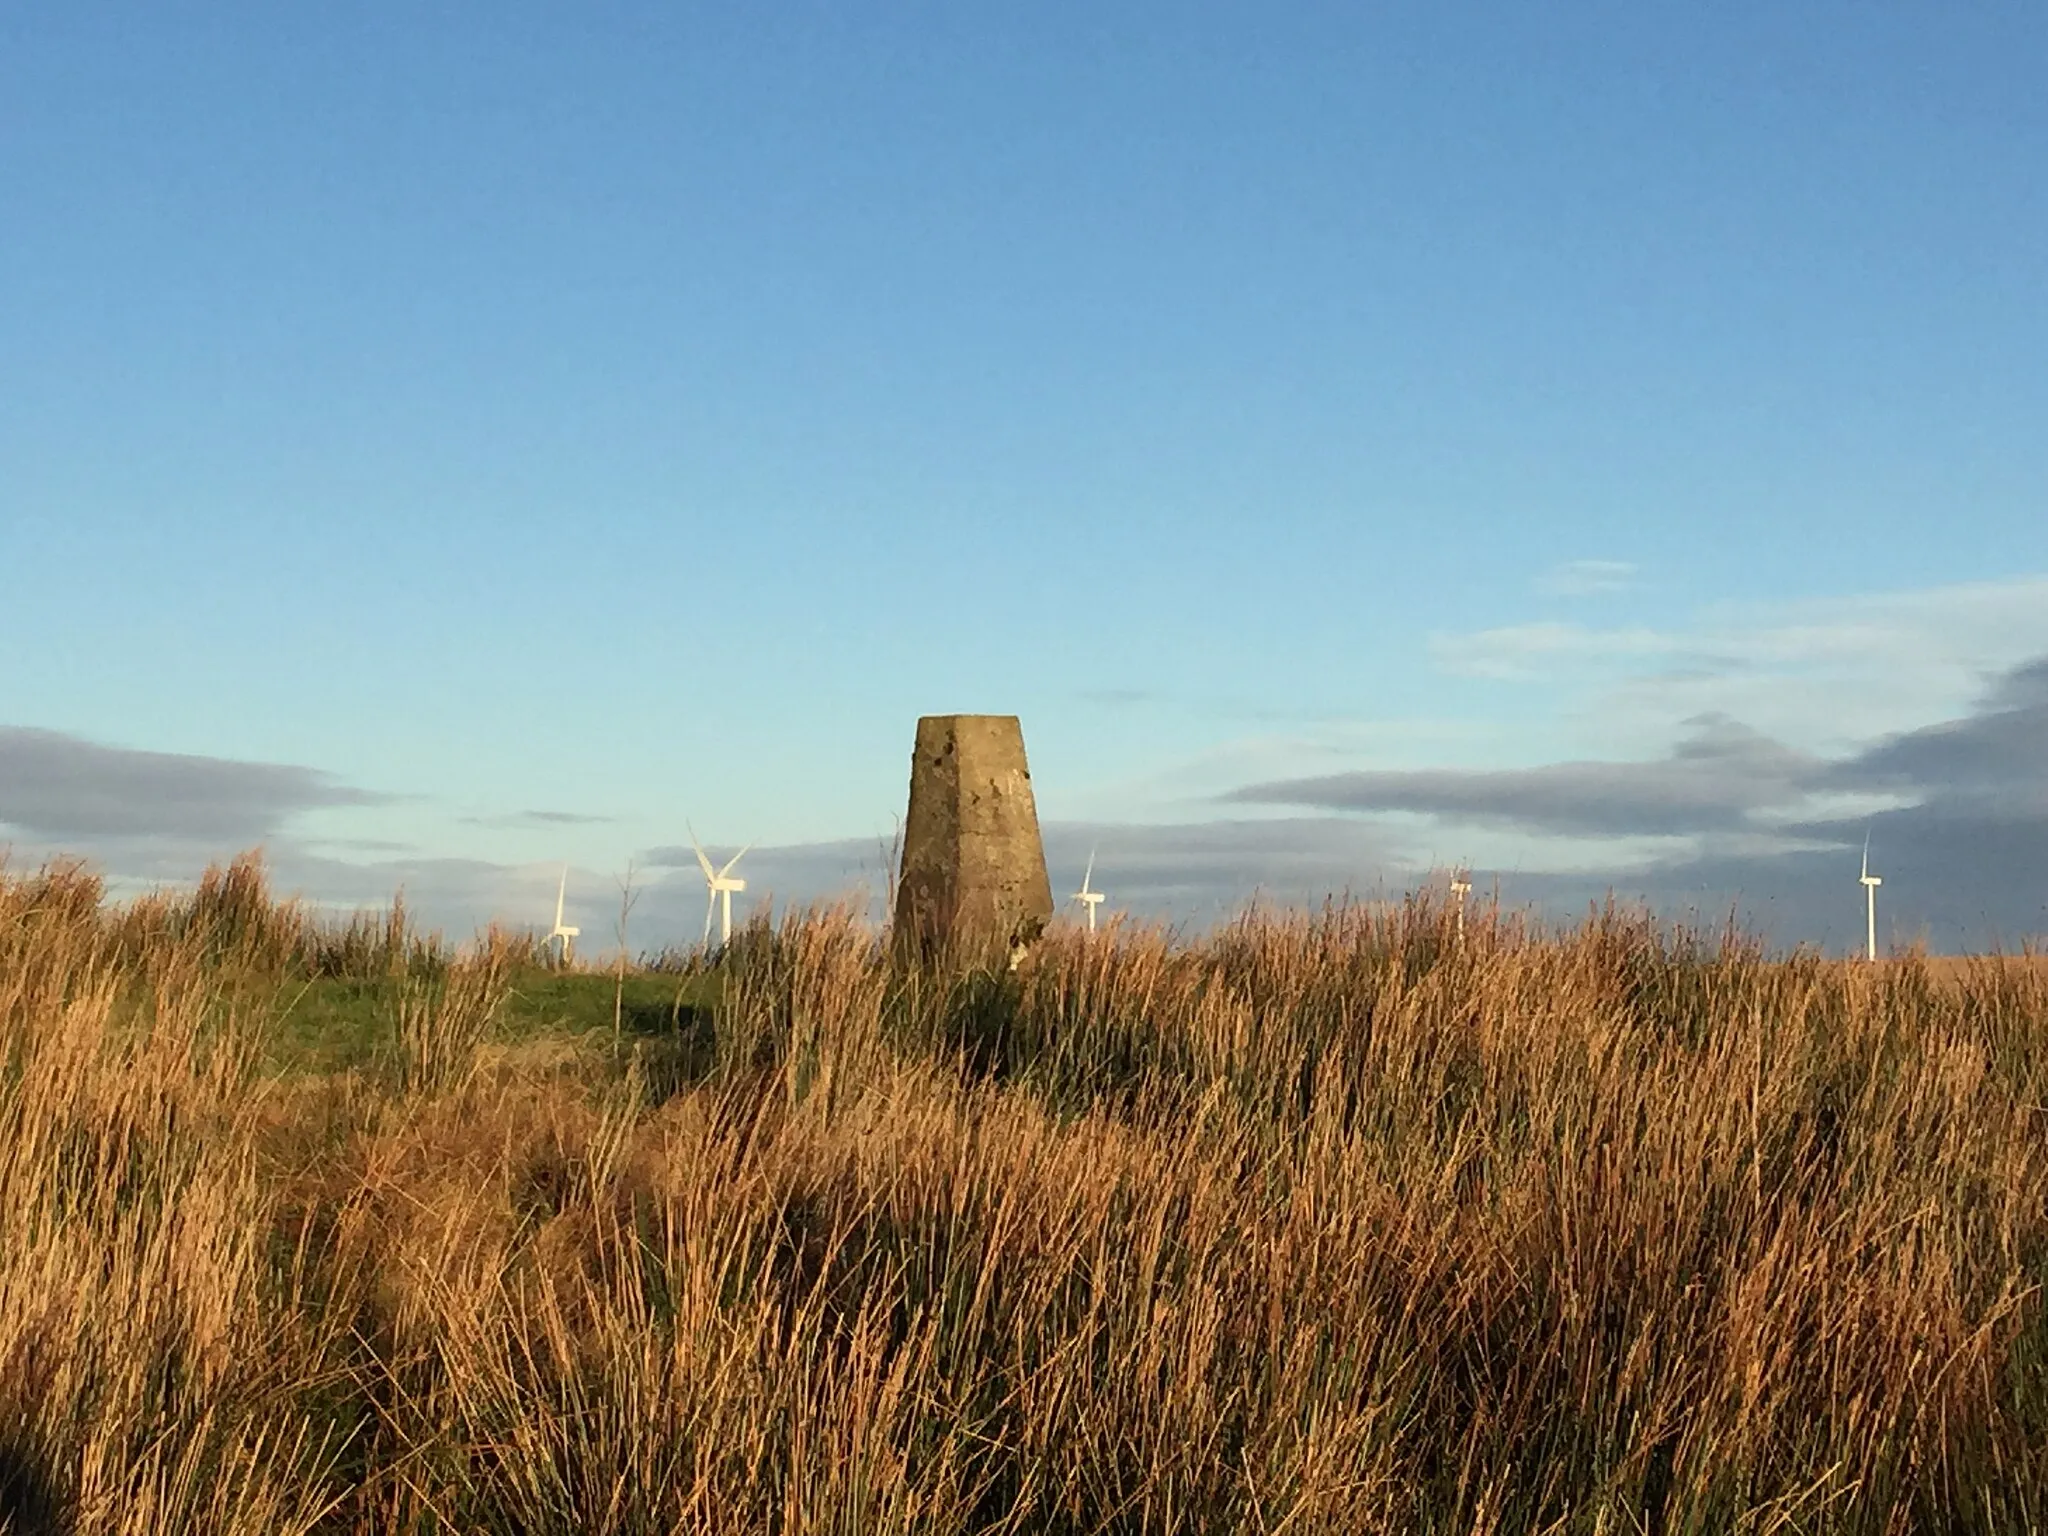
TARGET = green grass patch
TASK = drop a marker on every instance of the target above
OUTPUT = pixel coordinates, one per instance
(335, 1024)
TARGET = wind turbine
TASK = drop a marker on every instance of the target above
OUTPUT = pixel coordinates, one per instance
(1461, 883)
(1089, 899)
(562, 935)
(1870, 884)
(719, 886)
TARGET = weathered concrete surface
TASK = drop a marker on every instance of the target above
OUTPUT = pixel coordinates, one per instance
(973, 885)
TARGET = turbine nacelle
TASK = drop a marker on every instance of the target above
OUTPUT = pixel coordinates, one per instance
(1090, 899)
(1870, 883)
(562, 935)
(719, 885)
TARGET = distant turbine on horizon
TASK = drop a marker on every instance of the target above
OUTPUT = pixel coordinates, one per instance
(718, 887)
(1870, 884)
(561, 935)
(1461, 884)
(1089, 899)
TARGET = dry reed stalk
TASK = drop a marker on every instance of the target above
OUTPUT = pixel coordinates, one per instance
(440, 1024)
(138, 1359)
(1324, 1224)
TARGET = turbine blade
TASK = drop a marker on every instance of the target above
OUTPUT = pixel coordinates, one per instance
(706, 863)
(1866, 851)
(1089, 873)
(710, 907)
(732, 861)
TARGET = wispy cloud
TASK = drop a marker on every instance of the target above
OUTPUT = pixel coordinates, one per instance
(1533, 652)
(1821, 673)
(522, 819)
(1995, 757)
(1987, 622)
(1718, 777)
(54, 785)
(1587, 578)
(1958, 810)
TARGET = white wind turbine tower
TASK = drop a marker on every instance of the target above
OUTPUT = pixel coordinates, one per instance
(1870, 884)
(1089, 899)
(1461, 885)
(719, 885)
(562, 936)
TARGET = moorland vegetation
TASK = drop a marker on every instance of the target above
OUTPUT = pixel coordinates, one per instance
(1324, 1222)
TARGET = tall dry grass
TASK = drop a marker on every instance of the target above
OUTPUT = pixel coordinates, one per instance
(1329, 1223)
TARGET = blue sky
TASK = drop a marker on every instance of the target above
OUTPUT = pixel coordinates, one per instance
(642, 414)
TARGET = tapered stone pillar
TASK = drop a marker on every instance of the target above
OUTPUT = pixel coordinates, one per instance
(973, 885)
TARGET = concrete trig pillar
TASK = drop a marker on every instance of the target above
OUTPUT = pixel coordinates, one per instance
(973, 884)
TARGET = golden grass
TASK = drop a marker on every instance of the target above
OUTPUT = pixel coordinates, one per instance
(1324, 1224)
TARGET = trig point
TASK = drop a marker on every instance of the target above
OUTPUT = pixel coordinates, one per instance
(973, 882)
